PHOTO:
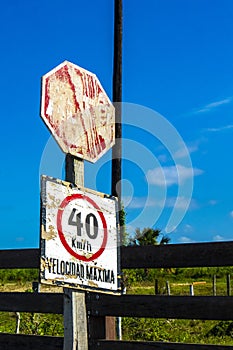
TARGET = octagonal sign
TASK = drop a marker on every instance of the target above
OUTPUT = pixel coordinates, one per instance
(77, 111)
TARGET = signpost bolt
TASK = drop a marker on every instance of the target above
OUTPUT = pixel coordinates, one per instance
(97, 296)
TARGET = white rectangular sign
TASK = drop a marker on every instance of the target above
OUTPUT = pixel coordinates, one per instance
(79, 238)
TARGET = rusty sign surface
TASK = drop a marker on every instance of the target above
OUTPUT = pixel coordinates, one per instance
(79, 238)
(77, 111)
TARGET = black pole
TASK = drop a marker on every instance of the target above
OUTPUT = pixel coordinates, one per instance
(117, 99)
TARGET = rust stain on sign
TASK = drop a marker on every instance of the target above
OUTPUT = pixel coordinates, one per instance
(77, 111)
(79, 237)
(47, 235)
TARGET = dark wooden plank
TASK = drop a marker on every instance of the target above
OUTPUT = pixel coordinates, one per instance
(177, 307)
(32, 302)
(178, 255)
(171, 255)
(19, 258)
(96, 325)
(29, 342)
(126, 345)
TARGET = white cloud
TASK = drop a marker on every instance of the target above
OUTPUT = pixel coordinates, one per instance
(188, 228)
(140, 202)
(182, 152)
(185, 239)
(219, 129)
(171, 175)
(213, 202)
(162, 158)
(210, 106)
(181, 203)
(218, 238)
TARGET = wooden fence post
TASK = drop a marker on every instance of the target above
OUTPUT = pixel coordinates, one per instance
(74, 170)
(75, 317)
(214, 285)
(75, 320)
(168, 288)
(18, 318)
(191, 289)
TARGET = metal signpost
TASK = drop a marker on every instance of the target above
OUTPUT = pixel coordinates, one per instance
(79, 226)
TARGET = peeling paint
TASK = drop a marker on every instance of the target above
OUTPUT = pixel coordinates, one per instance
(52, 233)
(79, 238)
(92, 284)
(77, 111)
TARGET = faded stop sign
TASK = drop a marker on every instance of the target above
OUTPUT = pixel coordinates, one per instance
(77, 111)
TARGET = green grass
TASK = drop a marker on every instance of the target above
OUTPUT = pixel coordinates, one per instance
(32, 323)
(20, 280)
(184, 331)
(7, 322)
(199, 289)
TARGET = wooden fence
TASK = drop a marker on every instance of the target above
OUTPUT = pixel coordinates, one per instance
(99, 306)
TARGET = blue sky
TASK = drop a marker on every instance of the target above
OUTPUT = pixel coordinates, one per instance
(177, 66)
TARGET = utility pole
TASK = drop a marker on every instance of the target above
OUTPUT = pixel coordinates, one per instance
(117, 99)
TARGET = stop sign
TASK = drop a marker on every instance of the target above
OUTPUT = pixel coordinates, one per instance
(77, 111)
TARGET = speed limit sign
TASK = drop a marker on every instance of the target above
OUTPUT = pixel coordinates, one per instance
(79, 237)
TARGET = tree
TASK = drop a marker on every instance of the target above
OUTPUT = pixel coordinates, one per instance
(149, 236)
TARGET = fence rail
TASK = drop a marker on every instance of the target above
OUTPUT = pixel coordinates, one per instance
(178, 255)
(32, 302)
(100, 306)
(29, 342)
(133, 345)
(167, 256)
(176, 307)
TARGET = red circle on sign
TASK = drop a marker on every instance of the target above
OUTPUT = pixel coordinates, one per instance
(64, 203)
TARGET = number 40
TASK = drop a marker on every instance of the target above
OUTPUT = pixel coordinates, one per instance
(90, 222)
